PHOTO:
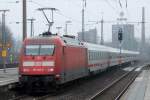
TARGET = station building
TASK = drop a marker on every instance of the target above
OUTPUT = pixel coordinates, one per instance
(89, 36)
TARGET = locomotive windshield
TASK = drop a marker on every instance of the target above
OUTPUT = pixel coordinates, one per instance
(32, 49)
(39, 50)
(46, 49)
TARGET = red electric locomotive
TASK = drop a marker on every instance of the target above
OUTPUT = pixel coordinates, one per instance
(51, 59)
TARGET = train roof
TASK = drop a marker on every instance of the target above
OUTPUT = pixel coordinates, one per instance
(103, 48)
(65, 40)
(90, 46)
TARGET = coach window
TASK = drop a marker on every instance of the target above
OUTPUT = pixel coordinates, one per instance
(96, 55)
(92, 55)
(89, 55)
(102, 55)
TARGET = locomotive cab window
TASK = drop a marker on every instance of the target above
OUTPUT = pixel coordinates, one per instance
(46, 49)
(32, 50)
(39, 50)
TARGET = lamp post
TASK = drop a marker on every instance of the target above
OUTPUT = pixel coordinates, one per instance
(4, 48)
(24, 10)
(58, 28)
(32, 26)
(66, 24)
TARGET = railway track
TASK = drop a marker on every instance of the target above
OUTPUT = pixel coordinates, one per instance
(81, 92)
(117, 88)
(27, 97)
(19, 97)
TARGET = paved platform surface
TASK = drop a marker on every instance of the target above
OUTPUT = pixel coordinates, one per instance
(140, 89)
(11, 76)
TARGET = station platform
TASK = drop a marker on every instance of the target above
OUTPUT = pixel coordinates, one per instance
(11, 76)
(140, 89)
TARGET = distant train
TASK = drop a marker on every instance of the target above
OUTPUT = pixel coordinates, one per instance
(46, 60)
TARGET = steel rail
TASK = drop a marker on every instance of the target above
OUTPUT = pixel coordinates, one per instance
(19, 97)
(126, 87)
(109, 86)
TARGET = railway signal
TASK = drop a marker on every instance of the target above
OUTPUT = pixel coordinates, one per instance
(120, 35)
(120, 38)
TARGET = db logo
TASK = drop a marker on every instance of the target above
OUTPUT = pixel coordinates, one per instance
(38, 63)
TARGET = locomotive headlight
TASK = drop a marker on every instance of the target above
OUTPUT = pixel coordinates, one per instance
(28, 63)
(48, 63)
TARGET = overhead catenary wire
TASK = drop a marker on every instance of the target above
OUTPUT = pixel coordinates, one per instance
(58, 12)
(74, 20)
(108, 2)
(120, 3)
(34, 2)
(126, 3)
(68, 17)
(127, 11)
(85, 4)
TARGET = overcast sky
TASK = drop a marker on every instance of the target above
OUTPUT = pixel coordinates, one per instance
(71, 10)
